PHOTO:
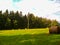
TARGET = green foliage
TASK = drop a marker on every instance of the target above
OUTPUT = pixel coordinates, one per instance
(16, 20)
(54, 23)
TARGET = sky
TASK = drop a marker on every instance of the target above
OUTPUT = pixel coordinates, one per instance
(43, 8)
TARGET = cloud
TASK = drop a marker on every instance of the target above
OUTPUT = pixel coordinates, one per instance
(57, 1)
(41, 8)
(50, 0)
(15, 1)
(57, 13)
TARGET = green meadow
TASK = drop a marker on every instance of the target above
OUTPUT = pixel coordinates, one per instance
(28, 37)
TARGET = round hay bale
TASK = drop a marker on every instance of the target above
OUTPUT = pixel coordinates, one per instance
(58, 30)
(54, 30)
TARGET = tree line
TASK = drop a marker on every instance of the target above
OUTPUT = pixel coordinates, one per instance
(16, 20)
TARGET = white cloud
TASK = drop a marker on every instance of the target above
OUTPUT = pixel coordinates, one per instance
(42, 8)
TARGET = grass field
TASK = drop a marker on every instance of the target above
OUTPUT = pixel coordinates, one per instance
(28, 37)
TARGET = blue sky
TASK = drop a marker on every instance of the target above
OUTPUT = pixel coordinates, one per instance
(42, 8)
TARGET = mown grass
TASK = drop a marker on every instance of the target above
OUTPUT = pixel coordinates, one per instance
(22, 31)
(28, 37)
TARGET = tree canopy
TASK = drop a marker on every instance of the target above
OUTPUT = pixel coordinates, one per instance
(16, 20)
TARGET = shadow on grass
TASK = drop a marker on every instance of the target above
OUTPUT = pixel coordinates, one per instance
(31, 39)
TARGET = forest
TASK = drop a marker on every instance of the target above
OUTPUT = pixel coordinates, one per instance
(16, 20)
